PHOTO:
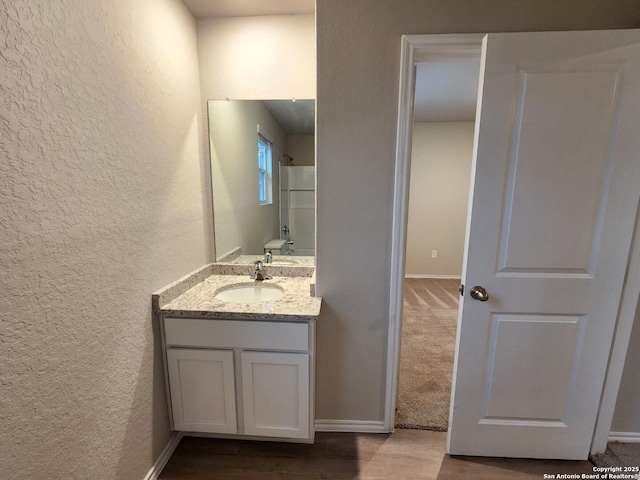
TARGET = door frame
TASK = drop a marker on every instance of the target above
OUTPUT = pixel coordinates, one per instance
(445, 47)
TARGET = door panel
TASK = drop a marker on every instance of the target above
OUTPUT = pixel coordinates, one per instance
(558, 154)
(530, 354)
(275, 390)
(554, 199)
(202, 390)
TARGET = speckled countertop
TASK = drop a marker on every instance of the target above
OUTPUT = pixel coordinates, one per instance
(194, 296)
(306, 261)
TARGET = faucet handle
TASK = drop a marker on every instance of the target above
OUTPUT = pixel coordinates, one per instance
(259, 273)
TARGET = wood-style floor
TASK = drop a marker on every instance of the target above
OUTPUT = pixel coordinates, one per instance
(403, 455)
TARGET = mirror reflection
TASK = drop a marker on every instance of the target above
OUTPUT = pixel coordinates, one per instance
(263, 180)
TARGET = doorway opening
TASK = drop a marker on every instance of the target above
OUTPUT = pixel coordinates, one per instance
(445, 97)
(505, 410)
(415, 49)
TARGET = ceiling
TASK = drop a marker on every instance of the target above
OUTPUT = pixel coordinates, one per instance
(446, 91)
(295, 118)
(240, 8)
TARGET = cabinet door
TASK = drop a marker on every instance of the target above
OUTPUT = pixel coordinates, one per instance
(275, 389)
(202, 390)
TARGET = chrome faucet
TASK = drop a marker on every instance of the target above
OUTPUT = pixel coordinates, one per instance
(268, 257)
(259, 272)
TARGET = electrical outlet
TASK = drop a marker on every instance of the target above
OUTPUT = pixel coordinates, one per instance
(434, 253)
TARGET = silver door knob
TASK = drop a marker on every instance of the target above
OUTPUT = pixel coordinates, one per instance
(479, 293)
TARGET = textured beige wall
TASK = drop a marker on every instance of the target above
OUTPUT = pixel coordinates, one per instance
(262, 57)
(438, 197)
(358, 67)
(240, 220)
(100, 204)
(302, 149)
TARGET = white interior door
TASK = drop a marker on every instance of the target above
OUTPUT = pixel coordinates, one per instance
(555, 198)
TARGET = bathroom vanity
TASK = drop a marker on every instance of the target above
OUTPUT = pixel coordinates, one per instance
(240, 368)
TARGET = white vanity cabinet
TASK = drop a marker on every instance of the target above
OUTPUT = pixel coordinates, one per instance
(241, 377)
(275, 392)
(202, 390)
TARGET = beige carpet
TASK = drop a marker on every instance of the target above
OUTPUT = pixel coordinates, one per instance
(426, 360)
(618, 455)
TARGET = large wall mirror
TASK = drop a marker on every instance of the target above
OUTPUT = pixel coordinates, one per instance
(263, 180)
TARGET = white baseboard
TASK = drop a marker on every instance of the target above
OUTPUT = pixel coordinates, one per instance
(164, 457)
(424, 275)
(355, 426)
(624, 437)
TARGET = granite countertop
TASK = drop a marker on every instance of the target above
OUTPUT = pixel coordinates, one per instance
(193, 296)
(306, 261)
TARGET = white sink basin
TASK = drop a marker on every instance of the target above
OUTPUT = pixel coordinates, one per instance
(253, 293)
